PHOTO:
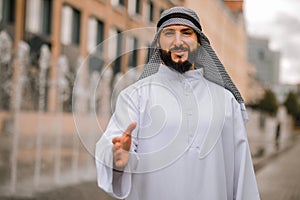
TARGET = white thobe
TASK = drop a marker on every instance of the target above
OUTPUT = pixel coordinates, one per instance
(189, 143)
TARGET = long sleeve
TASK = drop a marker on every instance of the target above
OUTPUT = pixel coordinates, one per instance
(245, 186)
(114, 183)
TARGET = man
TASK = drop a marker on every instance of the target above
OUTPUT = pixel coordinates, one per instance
(178, 132)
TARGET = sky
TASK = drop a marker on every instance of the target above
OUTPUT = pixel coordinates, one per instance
(278, 21)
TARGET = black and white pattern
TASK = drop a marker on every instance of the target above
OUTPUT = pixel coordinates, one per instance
(213, 68)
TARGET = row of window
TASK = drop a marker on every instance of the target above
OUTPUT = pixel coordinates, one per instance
(70, 30)
(38, 12)
(135, 7)
(38, 21)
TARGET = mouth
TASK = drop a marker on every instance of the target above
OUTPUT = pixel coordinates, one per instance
(179, 51)
(178, 54)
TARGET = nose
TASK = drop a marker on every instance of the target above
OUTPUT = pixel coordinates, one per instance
(178, 39)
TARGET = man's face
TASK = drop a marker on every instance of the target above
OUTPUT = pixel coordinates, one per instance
(178, 41)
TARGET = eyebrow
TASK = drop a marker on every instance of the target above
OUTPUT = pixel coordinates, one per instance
(182, 30)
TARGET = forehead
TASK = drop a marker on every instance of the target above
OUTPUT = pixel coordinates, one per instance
(177, 28)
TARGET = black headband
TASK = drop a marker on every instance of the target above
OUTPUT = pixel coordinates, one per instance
(179, 15)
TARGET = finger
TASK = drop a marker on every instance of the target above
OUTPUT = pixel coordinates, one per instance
(116, 146)
(116, 139)
(130, 128)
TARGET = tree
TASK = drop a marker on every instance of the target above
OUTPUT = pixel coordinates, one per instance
(268, 103)
(291, 104)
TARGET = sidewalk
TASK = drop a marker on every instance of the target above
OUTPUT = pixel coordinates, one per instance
(280, 179)
(262, 140)
(277, 167)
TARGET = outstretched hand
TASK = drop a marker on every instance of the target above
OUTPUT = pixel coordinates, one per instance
(121, 146)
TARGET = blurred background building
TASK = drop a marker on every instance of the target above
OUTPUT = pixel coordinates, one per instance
(48, 46)
(74, 29)
(266, 61)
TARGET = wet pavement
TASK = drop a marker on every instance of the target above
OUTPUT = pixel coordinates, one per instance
(262, 139)
(280, 179)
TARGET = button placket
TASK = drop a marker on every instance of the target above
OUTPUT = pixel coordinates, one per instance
(189, 109)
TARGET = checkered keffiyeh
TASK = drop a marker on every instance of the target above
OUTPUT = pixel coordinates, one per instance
(213, 68)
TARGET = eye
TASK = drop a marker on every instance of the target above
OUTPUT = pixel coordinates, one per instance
(187, 32)
(168, 32)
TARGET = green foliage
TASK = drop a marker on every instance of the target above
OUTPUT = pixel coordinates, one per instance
(291, 104)
(268, 103)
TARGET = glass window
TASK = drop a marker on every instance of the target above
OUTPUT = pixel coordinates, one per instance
(46, 16)
(118, 2)
(66, 23)
(122, 2)
(134, 7)
(95, 34)
(151, 11)
(76, 27)
(100, 32)
(8, 11)
(133, 49)
(115, 49)
(70, 26)
(118, 61)
(138, 7)
(33, 16)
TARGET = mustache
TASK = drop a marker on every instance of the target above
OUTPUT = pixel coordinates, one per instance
(179, 48)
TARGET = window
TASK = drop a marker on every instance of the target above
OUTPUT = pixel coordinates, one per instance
(46, 16)
(95, 34)
(70, 25)
(95, 38)
(7, 11)
(76, 27)
(151, 11)
(100, 32)
(118, 3)
(134, 7)
(148, 11)
(115, 46)
(38, 16)
(132, 47)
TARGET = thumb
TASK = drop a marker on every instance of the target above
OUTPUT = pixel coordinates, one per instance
(126, 138)
(130, 128)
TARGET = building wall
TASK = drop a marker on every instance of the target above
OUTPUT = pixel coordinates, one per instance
(114, 17)
(223, 25)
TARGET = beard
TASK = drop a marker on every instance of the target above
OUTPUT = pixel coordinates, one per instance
(180, 66)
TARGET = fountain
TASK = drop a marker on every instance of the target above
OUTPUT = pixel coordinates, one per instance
(91, 137)
(43, 64)
(5, 70)
(21, 62)
(62, 95)
(5, 48)
(105, 95)
(79, 100)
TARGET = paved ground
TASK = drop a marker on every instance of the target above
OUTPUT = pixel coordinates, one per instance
(280, 179)
(262, 139)
(277, 167)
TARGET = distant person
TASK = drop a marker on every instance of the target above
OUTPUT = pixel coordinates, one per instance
(277, 134)
(178, 133)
